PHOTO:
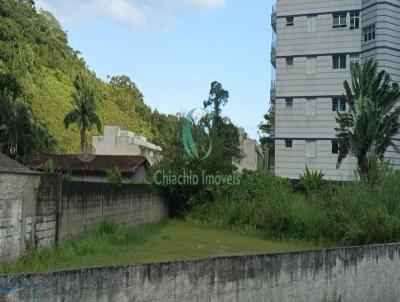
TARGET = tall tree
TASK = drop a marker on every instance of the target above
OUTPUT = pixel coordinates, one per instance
(218, 97)
(223, 132)
(225, 149)
(84, 115)
(367, 129)
(20, 134)
(266, 127)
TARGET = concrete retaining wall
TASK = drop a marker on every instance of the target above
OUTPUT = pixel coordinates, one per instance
(47, 205)
(360, 274)
(38, 209)
(17, 213)
(84, 204)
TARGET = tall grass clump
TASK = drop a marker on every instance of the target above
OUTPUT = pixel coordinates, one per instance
(95, 248)
(344, 214)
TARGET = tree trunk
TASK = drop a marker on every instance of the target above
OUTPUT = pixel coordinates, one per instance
(83, 141)
(363, 169)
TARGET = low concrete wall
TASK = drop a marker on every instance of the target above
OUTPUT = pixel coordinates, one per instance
(84, 204)
(38, 209)
(47, 209)
(360, 274)
(17, 213)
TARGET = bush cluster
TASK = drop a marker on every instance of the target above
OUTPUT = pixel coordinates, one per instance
(347, 214)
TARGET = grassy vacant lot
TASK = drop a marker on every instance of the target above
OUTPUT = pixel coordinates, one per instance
(172, 240)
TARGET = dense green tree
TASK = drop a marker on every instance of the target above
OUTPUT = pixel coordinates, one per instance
(224, 134)
(225, 149)
(84, 115)
(34, 48)
(367, 129)
(267, 126)
(266, 129)
(163, 126)
(218, 97)
(20, 134)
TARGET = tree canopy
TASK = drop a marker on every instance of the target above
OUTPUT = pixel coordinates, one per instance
(34, 50)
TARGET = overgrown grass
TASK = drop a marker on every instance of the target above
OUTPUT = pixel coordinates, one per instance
(109, 245)
(341, 214)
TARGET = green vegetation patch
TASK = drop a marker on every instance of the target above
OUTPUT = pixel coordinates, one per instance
(34, 49)
(354, 213)
(173, 240)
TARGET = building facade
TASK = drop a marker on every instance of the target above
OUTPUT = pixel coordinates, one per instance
(252, 154)
(125, 143)
(316, 43)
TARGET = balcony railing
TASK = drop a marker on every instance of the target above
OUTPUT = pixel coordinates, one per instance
(273, 54)
(273, 17)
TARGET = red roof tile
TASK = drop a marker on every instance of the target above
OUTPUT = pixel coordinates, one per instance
(100, 163)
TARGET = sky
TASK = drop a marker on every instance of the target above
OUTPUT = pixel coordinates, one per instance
(174, 49)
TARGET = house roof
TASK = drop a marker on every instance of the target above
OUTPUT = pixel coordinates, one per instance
(100, 163)
(8, 164)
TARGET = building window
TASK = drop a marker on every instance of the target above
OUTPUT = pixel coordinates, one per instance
(335, 146)
(311, 148)
(289, 21)
(289, 102)
(338, 105)
(288, 143)
(339, 20)
(312, 24)
(369, 33)
(339, 62)
(355, 20)
(311, 106)
(355, 59)
(311, 65)
(289, 61)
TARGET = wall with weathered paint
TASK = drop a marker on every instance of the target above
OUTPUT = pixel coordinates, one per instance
(84, 204)
(360, 274)
(38, 209)
(47, 208)
(17, 213)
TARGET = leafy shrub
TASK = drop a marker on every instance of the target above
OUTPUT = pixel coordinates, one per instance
(67, 177)
(312, 181)
(107, 227)
(114, 176)
(345, 214)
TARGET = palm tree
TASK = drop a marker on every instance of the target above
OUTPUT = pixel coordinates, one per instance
(367, 129)
(84, 114)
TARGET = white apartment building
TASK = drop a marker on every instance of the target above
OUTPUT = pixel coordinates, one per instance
(316, 42)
